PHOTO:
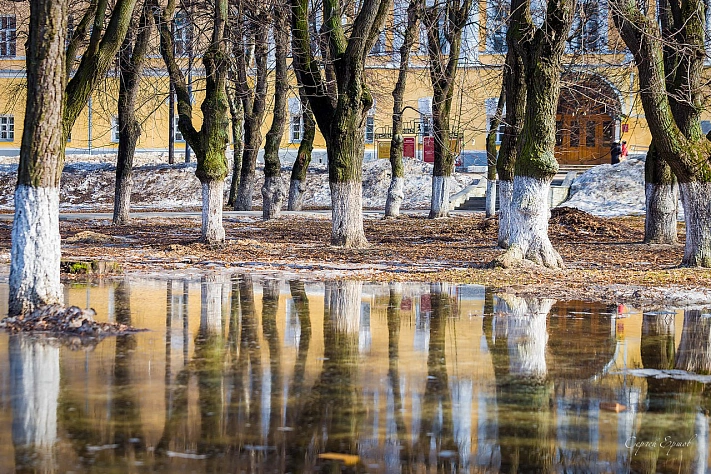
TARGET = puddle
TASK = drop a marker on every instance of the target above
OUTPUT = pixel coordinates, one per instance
(249, 374)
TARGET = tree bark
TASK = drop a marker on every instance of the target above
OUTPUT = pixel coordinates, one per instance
(340, 116)
(661, 197)
(397, 180)
(131, 58)
(442, 74)
(515, 83)
(210, 142)
(236, 123)
(297, 185)
(491, 152)
(273, 189)
(541, 49)
(35, 251)
(254, 106)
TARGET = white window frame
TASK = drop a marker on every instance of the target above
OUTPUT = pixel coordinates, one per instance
(369, 129)
(7, 128)
(115, 130)
(494, 9)
(296, 128)
(177, 134)
(490, 105)
(8, 36)
(182, 34)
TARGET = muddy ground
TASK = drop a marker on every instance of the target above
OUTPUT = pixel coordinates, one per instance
(605, 258)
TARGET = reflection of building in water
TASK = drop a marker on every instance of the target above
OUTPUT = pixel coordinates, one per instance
(267, 358)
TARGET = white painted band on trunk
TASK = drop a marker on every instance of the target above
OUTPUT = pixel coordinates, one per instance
(296, 195)
(212, 199)
(395, 196)
(36, 250)
(696, 198)
(211, 305)
(660, 222)
(344, 305)
(490, 198)
(272, 197)
(441, 189)
(347, 214)
(505, 189)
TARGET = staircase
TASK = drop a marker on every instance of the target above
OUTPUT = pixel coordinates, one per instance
(473, 197)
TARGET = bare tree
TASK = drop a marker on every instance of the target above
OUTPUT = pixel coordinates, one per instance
(340, 114)
(131, 59)
(297, 184)
(210, 142)
(397, 180)
(50, 113)
(541, 49)
(273, 189)
(453, 14)
(673, 119)
(492, 153)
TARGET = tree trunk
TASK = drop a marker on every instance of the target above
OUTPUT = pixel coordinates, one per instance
(210, 142)
(541, 50)
(273, 189)
(515, 82)
(254, 104)
(131, 58)
(297, 185)
(35, 251)
(212, 201)
(397, 180)
(491, 153)
(237, 119)
(662, 196)
(696, 199)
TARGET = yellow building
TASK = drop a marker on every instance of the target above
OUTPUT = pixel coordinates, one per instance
(599, 102)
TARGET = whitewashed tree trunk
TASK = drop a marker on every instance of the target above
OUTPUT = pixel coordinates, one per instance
(696, 199)
(245, 191)
(212, 199)
(505, 193)
(660, 219)
(395, 197)
(296, 195)
(35, 377)
(529, 214)
(490, 198)
(441, 189)
(211, 305)
(344, 298)
(694, 353)
(272, 197)
(347, 214)
(35, 252)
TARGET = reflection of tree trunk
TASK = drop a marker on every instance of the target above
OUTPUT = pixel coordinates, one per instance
(270, 307)
(125, 412)
(437, 427)
(665, 397)
(209, 355)
(301, 303)
(34, 371)
(523, 392)
(393, 370)
(695, 345)
(330, 419)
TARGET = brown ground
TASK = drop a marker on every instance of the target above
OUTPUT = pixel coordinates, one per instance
(605, 257)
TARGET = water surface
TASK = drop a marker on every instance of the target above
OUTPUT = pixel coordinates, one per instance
(250, 374)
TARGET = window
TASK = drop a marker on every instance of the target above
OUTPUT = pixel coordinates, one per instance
(177, 135)
(558, 133)
(7, 128)
(574, 133)
(608, 131)
(497, 12)
(183, 34)
(295, 129)
(379, 46)
(590, 128)
(588, 32)
(490, 105)
(8, 36)
(114, 129)
(369, 129)
(499, 132)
